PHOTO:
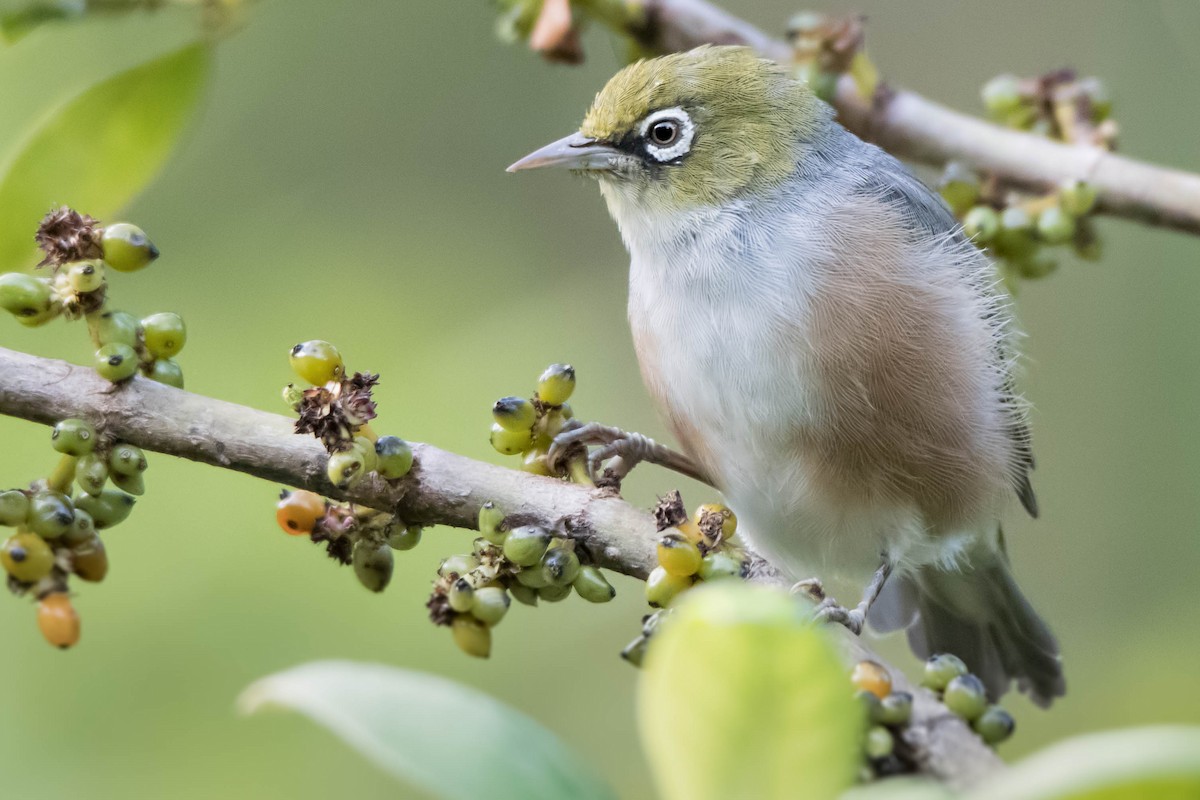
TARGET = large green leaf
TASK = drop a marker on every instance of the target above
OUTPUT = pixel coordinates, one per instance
(448, 739)
(99, 149)
(743, 697)
(1157, 763)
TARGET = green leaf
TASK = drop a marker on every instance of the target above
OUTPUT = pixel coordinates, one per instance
(1162, 763)
(742, 696)
(99, 149)
(448, 739)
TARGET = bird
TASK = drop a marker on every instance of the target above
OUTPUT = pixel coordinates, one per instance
(828, 348)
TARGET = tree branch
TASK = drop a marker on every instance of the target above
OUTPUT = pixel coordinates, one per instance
(911, 126)
(443, 488)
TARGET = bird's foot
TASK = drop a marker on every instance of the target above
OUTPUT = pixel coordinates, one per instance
(622, 450)
(830, 610)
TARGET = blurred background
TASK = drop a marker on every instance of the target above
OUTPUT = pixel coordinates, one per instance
(345, 180)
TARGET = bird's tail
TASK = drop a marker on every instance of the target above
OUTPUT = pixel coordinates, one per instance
(979, 615)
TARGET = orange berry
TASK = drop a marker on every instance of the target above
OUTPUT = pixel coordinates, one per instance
(58, 620)
(871, 676)
(298, 512)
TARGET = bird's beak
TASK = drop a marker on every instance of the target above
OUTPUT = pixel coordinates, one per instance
(573, 152)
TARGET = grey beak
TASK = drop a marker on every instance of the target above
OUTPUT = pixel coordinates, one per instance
(573, 152)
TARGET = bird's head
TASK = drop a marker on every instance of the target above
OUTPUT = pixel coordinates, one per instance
(690, 129)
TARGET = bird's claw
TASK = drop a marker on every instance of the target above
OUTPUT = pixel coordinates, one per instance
(624, 450)
(829, 609)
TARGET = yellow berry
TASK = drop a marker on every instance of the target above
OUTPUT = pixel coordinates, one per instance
(317, 362)
(556, 384)
(678, 555)
(472, 636)
(126, 247)
(662, 587)
(27, 557)
(871, 676)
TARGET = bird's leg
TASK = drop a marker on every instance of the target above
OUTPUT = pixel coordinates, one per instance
(623, 451)
(829, 610)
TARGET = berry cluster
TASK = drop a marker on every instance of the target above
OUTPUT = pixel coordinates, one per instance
(79, 253)
(702, 548)
(57, 527)
(826, 46)
(1059, 105)
(965, 695)
(474, 590)
(887, 713)
(527, 427)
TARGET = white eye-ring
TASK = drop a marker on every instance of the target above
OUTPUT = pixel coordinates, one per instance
(668, 133)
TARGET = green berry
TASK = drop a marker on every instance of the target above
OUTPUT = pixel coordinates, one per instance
(896, 709)
(116, 362)
(365, 448)
(126, 459)
(720, 565)
(164, 370)
(108, 508)
(133, 484)
(491, 523)
(879, 742)
(82, 530)
(1036, 265)
(74, 437)
(373, 565)
(50, 514)
(959, 187)
(662, 587)
(24, 296)
(871, 706)
(461, 595)
(1014, 239)
(26, 557)
(345, 468)
(966, 697)
(14, 507)
(981, 223)
(405, 538)
(533, 577)
(941, 669)
(524, 594)
(317, 362)
(510, 443)
(41, 318)
(489, 605)
(1002, 96)
(591, 585)
(91, 473)
(126, 247)
(472, 636)
(1097, 93)
(395, 457)
(994, 725)
(164, 334)
(118, 327)
(1055, 226)
(84, 276)
(556, 384)
(525, 546)
(554, 594)
(457, 565)
(560, 566)
(1077, 198)
(514, 413)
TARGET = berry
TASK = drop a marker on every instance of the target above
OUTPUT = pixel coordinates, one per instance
(871, 706)
(373, 565)
(554, 594)
(41, 318)
(489, 605)
(662, 587)
(716, 566)
(164, 370)
(1077, 198)
(526, 545)
(556, 384)
(82, 530)
(457, 565)
(707, 511)
(298, 512)
(879, 743)
(108, 508)
(346, 468)
(58, 620)
(317, 362)
(560, 566)
(1055, 226)
(959, 188)
(1014, 239)
(126, 247)
(164, 334)
(133, 484)
(1097, 93)
(524, 594)
(365, 448)
(84, 276)
(126, 459)
(965, 696)
(941, 669)
(91, 473)
(510, 443)
(591, 585)
(50, 514)
(678, 555)
(75, 437)
(994, 725)
(472, 636)
(1002, 95)
(116, 362)
(405, 538)
(1036, 265)
(535, 463)
(533, 577)
(514, 413)
(14, 507)
(24, 296)
(491, 523)
(394, 457)
(26, 557)
(981, 223)
(461, 595)
(89, 560)
(871, 676)
(117, 327)
(896, 709)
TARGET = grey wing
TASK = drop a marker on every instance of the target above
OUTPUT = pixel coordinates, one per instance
(896, 185)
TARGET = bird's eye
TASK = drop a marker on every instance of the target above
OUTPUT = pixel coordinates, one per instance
(664, 132)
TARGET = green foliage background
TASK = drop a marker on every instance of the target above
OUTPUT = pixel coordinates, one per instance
(345, 181)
